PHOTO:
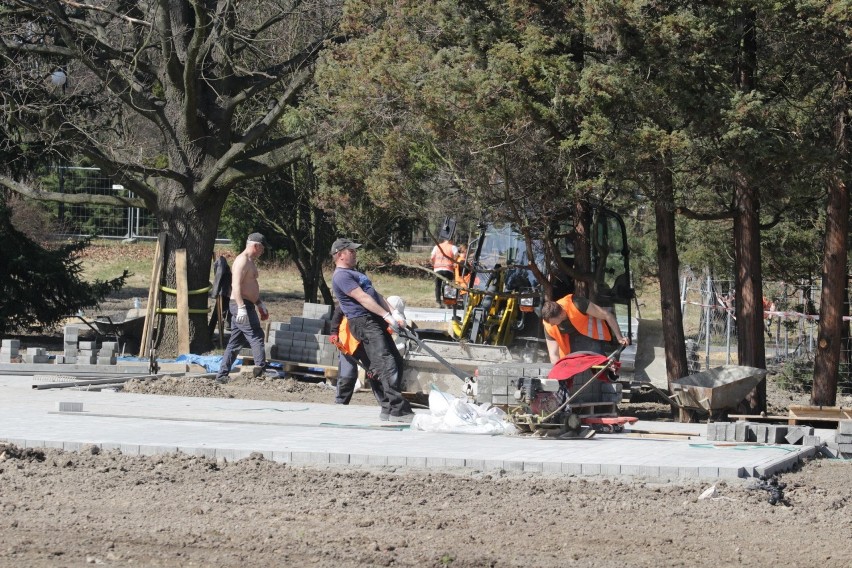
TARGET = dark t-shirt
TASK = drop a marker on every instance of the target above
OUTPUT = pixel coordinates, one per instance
(345, 280)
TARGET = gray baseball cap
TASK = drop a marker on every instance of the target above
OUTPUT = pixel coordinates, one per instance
(257, 238)
(343, 244)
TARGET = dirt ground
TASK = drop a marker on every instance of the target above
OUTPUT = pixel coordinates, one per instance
(91, 507)
(70, 509)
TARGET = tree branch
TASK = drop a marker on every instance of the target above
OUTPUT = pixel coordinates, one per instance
(70, 198)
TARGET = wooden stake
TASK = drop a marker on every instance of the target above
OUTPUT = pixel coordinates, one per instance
(182, 301)
(153, 296)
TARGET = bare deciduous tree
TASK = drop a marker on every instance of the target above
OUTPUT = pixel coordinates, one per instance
(180, 101)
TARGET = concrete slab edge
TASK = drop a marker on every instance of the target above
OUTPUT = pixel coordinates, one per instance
(784, 463)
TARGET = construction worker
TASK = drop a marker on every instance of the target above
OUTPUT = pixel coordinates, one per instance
(443, 264)
(247, 309)
(462, 271)
(369, 316)
(573, 323)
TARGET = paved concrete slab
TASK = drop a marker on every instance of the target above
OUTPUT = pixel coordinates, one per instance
(351, 435)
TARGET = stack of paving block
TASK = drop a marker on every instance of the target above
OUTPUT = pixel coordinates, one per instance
(743, 431)
(843, 439)
(497, 384)
(108, 353)
(9, 351)
(302, 340)
(35, 355)
(71, 336)
(317, 311)
(87, 353)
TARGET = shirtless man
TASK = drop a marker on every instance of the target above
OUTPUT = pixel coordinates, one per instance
(247, 310)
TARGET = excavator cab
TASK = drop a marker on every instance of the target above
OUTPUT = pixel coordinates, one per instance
(497, 300)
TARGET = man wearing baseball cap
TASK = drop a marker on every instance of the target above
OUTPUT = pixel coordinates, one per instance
(369, 316)
(247, 309)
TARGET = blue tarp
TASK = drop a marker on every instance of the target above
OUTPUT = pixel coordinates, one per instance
(211, 363)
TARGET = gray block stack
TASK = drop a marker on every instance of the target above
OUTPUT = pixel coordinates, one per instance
(302, 340)
(108, 353)
(36, 355)
(9, 351)
(317, 311)
(743, 431)
(87, 353)
(70, 338)
(497, 384)
(843, 439)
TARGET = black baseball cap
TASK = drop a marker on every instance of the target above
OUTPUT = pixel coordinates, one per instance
(257, 238)
(343, 244)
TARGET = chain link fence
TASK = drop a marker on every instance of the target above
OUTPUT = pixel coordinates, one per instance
(791, 323)
(105, 221)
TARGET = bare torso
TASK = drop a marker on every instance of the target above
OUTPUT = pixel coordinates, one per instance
(244, 286)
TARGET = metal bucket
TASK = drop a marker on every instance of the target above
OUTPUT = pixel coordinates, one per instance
(717, 388)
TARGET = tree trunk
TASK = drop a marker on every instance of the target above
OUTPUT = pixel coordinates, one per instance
(192, 227)
(749, 287)
(669, 270)
(831, 309)
(747, 261)
(582, 248)
(834, 274)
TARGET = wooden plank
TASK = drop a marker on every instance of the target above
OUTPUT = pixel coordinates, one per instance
(758, 417)
(799, 413)
(153, 295)
(658, 436)
(182, 301)
(666, 433)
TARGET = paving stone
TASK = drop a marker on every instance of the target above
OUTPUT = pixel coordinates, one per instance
(844, 426)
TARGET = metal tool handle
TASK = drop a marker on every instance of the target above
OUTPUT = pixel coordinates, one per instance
(412, 335)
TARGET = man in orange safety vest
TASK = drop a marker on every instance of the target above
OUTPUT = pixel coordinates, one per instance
(574, 323)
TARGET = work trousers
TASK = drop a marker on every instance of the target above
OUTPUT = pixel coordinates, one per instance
(439, 284)
(249, 333)
(385, 360)
(347, 378)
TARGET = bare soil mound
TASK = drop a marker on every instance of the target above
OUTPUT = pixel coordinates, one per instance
(70, 509)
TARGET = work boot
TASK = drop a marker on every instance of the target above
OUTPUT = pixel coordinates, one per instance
(404, 418)
(223, 380)
(384, 415)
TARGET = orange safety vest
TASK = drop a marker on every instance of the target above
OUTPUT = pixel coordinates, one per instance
(442, 257)
(346, 341)
(585, 324)
(461, 280)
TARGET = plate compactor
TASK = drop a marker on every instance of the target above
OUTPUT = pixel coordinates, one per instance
(552, 414)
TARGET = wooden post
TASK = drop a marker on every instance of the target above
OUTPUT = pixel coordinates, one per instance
(153, 296)
(221, 321)
(182, 301)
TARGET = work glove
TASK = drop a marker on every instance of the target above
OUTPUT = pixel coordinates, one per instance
(264, 313)
(335, 340)
(399, 318)
(392, 323)
(242, 315)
